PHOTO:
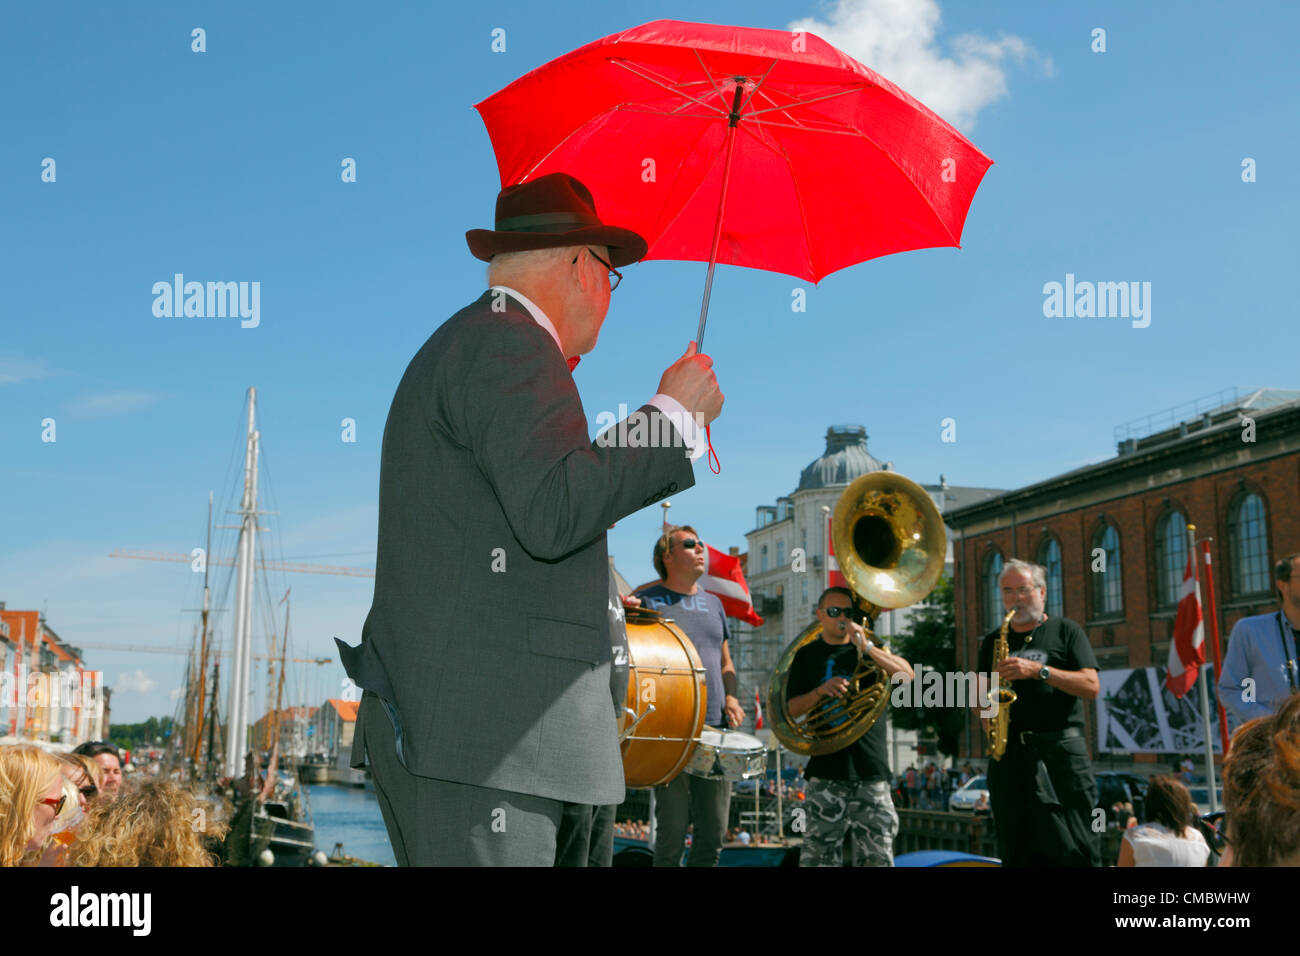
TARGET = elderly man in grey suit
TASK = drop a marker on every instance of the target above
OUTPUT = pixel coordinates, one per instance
(485, 658)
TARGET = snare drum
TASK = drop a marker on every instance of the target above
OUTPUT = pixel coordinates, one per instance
(728, 754)
(665, 703)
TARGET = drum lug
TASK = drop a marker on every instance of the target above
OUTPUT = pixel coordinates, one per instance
(638, 718)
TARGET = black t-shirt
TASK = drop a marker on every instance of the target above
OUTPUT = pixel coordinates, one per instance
(1057, 643)
(865, 758)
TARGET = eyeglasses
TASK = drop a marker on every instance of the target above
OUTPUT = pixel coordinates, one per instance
(89, 792)
(834, 612)
(56, 804)
(1018, 592)
(615, 277)
(690, 544)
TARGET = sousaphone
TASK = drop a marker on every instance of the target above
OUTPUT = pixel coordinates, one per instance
(890, 543)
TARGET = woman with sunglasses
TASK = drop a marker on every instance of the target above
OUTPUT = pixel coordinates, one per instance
(84, 773)
(31, 796)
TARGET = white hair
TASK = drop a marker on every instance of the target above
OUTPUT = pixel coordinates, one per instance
(1036, 572)
(529, 262)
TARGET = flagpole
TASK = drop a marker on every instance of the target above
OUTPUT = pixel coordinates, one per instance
(1212, 616)
(1211, 785)
(780, 810)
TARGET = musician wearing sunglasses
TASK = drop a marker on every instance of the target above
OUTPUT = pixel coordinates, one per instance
(849, 789)
(704, 802)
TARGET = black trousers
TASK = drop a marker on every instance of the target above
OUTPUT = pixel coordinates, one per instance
(586, 835)
(1043, 797)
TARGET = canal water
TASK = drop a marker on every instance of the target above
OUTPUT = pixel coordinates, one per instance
(351, 816)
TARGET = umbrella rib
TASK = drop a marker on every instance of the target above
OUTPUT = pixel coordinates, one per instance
(759, 85)
(671, 89)
(828, 96)
(722, 97)
(681, 207)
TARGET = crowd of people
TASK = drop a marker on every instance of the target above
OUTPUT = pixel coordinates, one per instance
(76, 810)
(929, 788)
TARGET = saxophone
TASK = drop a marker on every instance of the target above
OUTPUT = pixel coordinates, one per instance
(1000, 722)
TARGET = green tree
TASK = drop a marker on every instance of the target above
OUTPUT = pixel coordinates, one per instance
(931, 641)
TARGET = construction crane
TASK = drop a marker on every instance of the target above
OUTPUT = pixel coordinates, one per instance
(155, 649)
(287, 566)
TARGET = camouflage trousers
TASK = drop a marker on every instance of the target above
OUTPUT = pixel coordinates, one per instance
(861, 808)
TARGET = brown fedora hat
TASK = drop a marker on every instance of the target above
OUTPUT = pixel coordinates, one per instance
(552, 210)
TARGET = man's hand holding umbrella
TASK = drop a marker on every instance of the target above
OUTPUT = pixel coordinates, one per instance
(690, 380)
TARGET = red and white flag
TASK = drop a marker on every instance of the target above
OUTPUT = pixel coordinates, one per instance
(834, 579)
(723, 577)
(1187, 651)
(758, 711)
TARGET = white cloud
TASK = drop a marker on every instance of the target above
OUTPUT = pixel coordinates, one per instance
(15, 370)
(137, 683)
(111, 404)
(897, 39)
(175, 693)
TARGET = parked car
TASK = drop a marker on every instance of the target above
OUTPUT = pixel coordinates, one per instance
(965, 797)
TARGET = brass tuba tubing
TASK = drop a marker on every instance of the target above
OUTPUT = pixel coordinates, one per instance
(891, 543)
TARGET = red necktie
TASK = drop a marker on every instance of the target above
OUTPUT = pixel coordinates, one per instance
(573, 362)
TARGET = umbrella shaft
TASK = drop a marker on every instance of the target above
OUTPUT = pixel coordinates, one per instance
(717, 236)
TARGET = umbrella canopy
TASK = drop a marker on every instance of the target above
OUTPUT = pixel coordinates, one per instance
(822, 163)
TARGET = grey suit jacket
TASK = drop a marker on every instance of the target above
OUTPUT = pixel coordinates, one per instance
(488, 639)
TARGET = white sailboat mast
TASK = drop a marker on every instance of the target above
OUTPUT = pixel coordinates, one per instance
(237, 711)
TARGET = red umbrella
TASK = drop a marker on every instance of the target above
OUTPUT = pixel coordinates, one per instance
(759, 148)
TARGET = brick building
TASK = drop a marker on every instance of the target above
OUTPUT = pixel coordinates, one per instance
(1232, 471)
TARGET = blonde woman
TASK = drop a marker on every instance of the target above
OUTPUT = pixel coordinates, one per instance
(31, 796)
(152, 823)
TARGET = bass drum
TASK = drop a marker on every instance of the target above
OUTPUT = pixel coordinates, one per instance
(665, 705)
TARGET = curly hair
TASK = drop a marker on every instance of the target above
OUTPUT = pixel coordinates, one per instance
(1261, 788)
(1169, 803)
(26, 774)
(152, 823)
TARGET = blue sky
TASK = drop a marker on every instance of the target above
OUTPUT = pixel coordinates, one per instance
(225, 165)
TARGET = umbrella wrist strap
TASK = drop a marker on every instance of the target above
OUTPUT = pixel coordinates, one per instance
(713, 455)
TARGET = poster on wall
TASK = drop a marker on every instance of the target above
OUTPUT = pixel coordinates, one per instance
(1136, 713)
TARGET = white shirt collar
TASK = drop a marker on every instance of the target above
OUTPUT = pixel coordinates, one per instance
(538, 315)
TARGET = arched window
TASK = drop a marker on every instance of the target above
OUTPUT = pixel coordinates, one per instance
(1049, 556)
(1248, 538)
(992, 591)
(1171, 558)
(1107, 578)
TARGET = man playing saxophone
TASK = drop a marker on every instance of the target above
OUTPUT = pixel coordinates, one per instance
(848, 789)
(1042, 789)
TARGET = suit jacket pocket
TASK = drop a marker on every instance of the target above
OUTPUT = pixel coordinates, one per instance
(551, 637)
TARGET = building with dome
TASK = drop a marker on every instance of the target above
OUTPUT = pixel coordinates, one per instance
(792, 533)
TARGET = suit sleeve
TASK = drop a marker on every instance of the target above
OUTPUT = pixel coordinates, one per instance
(528, 434)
